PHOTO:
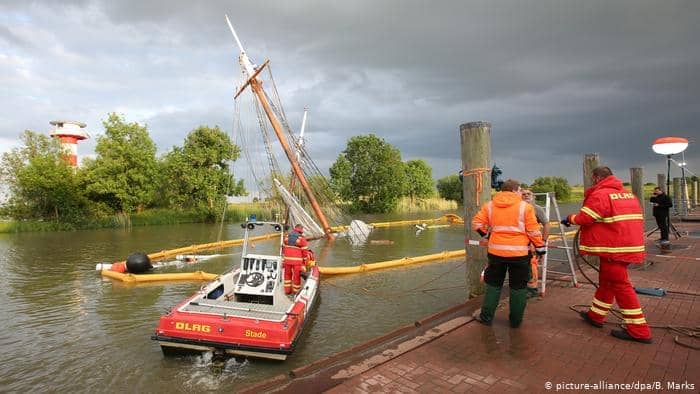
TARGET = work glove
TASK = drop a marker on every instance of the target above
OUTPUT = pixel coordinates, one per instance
(481, 232)
(566, 222)
(541, 251)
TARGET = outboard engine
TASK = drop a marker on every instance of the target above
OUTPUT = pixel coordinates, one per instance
(138, 263)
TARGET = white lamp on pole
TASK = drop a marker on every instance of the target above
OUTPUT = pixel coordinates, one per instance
(670, 146)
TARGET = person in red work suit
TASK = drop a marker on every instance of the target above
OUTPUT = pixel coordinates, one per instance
(612, 227)
(295, 253)
(510, 225)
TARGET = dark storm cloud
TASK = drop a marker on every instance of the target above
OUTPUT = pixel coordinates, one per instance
(557, 79)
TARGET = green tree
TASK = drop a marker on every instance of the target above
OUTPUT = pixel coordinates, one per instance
(341, 174)
(559, 185)
(197, 175)
(419, 182)
(450, 188)
(124, 175)
(370, 174)
(41, 183)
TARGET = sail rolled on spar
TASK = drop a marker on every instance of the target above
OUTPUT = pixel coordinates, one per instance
(298, 215)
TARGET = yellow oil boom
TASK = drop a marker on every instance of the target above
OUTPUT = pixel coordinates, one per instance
(156, 256)
(446, 255)
(132, 278)
(391, 263)
(199, 275)
(200, 247)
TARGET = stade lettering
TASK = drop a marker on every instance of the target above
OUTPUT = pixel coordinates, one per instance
(621, 196)
(192, 327)
(256, 334)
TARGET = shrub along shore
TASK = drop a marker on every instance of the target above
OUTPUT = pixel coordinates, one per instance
(149, 217)
(159, 216)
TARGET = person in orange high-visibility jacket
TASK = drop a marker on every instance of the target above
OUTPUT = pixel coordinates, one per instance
(510, 225)
(543, 220)
(612, 227)
(295, 254)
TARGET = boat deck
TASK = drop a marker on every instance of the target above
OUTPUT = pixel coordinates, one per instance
(239, 309)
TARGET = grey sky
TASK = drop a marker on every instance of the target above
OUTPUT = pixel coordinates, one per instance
(557, 79)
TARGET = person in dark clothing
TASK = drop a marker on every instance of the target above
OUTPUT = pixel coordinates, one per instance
(662, 203)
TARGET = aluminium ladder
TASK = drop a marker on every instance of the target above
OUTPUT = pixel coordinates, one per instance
(551, 201)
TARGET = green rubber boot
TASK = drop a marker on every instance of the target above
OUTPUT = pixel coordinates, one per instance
(518, 300)
(491, 298)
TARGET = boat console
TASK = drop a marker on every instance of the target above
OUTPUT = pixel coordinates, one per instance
(260, 275)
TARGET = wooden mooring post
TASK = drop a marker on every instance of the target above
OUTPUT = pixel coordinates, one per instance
(677, 196)
(590, 161)
(661, 182)
(637, 182)
(475, 140)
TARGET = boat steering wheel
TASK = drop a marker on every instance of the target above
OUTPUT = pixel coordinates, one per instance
(255, 279)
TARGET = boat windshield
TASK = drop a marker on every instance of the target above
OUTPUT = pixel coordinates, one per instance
(256, 243)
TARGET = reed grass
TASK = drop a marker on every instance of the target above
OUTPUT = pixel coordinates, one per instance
(262, 210)
(408, 205)
(20, 226)
(149, 217)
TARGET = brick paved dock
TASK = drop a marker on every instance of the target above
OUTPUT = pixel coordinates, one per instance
(450, 352)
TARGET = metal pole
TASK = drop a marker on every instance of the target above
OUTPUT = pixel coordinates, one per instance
(668, 177)
(684, 192)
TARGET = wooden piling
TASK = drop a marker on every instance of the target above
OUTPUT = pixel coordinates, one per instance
(637, 182)
(475, 140)
(677, 195)
(685, 196)
(590, 161)
(661, 182)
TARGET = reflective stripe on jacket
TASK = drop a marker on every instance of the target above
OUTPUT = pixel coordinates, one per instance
(511, 224)
(612, 223)
(295, 254)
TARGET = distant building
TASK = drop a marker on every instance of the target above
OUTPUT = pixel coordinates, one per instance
(69, 133)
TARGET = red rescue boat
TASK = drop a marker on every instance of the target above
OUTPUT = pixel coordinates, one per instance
(243, 312)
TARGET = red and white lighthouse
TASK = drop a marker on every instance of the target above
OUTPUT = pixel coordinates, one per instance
(69, 133)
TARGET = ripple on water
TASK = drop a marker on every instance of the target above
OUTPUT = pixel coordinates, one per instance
(64, 329)
(210, 373)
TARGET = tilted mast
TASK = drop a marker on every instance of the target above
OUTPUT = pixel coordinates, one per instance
(256, 86)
